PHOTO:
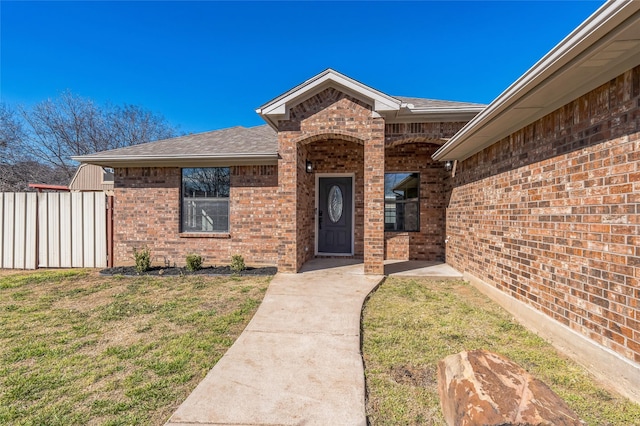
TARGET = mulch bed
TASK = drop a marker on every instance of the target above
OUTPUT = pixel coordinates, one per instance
(175, 271)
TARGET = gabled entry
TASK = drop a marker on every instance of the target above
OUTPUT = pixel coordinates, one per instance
(334, 218)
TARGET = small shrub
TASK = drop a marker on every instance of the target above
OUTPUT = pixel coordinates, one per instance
(143, 259)
(194, 262)
(237, 263)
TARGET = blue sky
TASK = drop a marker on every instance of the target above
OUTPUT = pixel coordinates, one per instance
(209, 65)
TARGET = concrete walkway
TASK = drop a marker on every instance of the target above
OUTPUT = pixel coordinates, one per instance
(298, 361)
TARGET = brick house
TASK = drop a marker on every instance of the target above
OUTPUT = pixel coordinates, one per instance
(309, 183)
(541, 207)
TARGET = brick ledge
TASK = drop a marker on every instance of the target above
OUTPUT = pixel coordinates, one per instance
(203, 235)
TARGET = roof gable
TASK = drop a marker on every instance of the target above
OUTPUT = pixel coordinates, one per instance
(392, 108)
(278, 108)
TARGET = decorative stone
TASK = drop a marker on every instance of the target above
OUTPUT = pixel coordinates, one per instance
(483, 388)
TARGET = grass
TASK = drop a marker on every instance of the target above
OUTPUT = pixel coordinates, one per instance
(80, 348)
(409, 325)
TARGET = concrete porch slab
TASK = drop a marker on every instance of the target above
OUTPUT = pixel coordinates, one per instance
(419, 268)
(404, 268)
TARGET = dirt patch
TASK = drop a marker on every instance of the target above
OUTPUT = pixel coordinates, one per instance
(473, 295)
(124, 332)
(175, 271)
(89, 302)
(410, 375)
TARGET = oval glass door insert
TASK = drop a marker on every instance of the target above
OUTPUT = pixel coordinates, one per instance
(335, 204)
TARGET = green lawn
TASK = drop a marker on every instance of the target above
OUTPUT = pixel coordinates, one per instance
(409, 325)
(80, 348)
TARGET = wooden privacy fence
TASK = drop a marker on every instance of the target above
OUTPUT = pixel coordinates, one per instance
(54, 230)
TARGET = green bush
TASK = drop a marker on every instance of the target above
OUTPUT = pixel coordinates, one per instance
(237, 263)
(143, 259)
(194, 262)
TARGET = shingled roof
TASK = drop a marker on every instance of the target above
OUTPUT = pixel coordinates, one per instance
(394, 109)
(259, 145)
(424, 104)
(232, 146)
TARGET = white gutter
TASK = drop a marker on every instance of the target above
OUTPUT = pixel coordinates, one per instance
(451, 110)
(82, 158)
(600, 23)
(230, 159)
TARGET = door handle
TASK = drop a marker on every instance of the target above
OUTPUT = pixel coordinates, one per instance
(320, 219)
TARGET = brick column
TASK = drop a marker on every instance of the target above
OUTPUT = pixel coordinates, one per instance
(287, 199)
(374, 199)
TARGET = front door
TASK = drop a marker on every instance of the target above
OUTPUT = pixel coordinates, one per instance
(335, 215)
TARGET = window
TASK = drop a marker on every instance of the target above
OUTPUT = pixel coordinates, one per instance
(402, 202)
(205, 199)
(107, 174)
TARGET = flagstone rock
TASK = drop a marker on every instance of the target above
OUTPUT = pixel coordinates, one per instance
(483, 388)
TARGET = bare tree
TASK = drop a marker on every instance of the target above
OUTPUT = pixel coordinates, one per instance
(131, 125)
(60, 128)
(11, 137)
(52, 131)
(11, 130)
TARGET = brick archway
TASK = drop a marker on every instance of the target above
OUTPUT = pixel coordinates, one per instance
(309, 138)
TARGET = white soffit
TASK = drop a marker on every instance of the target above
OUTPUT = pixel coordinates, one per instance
(409, 114)
(601, 48)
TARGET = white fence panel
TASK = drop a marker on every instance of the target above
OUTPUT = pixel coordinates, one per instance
(66, 245)
(95, 230)
(18, 230)
(49, 230)
(74, 233)
(77, 228)
(53, 230)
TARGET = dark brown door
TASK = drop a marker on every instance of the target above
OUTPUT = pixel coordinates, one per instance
(335, 215)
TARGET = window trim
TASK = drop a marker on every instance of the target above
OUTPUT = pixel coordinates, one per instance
(203, 234)
(417, 201)
(105, 172)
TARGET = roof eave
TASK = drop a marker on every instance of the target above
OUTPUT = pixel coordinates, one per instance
(434, 114)
(180, 160)
(595, 33)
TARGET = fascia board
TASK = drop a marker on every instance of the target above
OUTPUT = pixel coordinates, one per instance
(180, 161)
(279, 106)
(453, 110)
(432, 118)
(590, 32)
(261, 110)
(519, 117)
(430, 115)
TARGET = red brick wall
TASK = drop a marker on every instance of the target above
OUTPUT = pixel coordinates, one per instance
(551, 215)
(324, 118)
(428, 244)
(147, 212)
(338, 156)
(305, 214)
(435, 132)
